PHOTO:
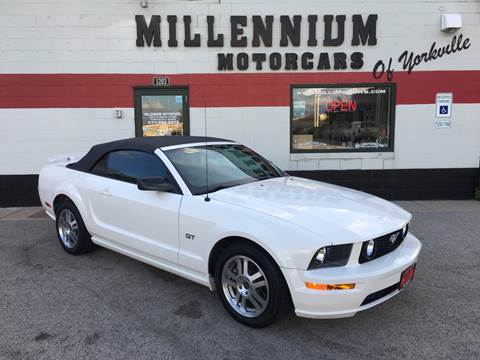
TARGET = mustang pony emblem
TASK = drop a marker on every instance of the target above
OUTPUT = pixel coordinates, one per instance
(393, 238)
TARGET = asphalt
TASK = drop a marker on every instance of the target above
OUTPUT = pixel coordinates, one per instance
(107, 306)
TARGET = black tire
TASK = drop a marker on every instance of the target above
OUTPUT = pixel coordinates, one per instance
(83, 242)
(277, 302)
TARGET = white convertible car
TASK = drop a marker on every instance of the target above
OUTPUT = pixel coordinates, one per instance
(215, 212)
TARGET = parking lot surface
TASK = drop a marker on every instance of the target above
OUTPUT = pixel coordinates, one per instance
(107, 306)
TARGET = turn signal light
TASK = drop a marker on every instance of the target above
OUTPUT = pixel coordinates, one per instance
(315, 286)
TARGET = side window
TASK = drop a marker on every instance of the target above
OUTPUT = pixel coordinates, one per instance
(129, 165)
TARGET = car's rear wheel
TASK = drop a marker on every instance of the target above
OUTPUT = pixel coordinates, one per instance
(251, 286)
(71, 230)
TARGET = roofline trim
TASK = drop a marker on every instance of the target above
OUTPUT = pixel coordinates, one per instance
(197, 144)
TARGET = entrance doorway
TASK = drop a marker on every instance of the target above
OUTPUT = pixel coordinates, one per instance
(161, 111)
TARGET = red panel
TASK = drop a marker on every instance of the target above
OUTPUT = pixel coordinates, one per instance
(219, 90)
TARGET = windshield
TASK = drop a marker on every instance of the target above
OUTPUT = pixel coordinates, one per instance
(228, 165)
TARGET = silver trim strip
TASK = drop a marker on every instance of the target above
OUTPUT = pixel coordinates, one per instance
(165, 148)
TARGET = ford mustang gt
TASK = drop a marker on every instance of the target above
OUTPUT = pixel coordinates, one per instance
(215, 212)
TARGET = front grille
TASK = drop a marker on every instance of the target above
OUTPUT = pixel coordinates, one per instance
(380, 294)
(383, 245)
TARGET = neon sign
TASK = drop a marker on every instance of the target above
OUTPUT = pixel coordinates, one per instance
(341, 105)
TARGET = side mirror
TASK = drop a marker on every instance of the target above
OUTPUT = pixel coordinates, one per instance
(155, 183)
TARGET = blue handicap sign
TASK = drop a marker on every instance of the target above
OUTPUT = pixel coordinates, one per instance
(443, 109)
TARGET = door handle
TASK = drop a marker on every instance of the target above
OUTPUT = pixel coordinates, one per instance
(106, 193)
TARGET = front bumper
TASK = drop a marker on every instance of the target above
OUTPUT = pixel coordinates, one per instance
(369, 278)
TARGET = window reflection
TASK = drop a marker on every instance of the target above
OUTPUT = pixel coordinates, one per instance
(342, 118)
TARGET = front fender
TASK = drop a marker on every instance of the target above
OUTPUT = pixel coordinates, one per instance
(290, 245)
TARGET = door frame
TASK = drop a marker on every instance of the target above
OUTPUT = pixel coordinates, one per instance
(138, 91)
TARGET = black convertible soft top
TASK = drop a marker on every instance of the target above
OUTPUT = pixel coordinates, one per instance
(147, 144)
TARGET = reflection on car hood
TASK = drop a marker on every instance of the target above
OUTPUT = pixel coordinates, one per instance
(342, 214)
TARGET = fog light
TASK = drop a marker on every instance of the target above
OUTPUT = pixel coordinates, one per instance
(315, 286)
(370, 247)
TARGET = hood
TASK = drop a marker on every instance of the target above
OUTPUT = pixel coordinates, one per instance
(337, 213)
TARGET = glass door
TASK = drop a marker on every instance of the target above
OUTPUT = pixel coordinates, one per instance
(161, 111)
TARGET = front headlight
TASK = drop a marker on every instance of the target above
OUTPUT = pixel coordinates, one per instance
(405, 230)
(370, 248)
(331, 256)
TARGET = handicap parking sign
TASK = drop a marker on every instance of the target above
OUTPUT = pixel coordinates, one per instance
(443, 109)
(444, 105)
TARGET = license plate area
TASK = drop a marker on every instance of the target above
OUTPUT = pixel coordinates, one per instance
(407, 276)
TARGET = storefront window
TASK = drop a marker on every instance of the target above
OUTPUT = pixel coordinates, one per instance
(342, 118)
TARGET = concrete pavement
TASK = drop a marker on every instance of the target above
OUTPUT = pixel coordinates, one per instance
(107, 306)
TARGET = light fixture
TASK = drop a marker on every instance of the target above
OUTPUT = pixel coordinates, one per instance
(370, 247)
(321, 255)
(331, 256)
(315, 286)
(450, 23)
(144, 3)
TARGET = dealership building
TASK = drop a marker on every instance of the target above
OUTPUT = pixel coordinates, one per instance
(378, 95)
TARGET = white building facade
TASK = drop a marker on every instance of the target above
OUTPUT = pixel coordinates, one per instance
(379, 95)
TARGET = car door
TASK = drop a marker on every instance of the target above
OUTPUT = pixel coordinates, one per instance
(143, 222)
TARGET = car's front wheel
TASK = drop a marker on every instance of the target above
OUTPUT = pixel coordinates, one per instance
(251, 286)
(71, 231)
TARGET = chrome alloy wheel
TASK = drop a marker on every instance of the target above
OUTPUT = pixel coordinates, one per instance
(245, 286)
(68, 228)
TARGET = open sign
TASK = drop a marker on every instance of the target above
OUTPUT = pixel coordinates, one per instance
(341, 105)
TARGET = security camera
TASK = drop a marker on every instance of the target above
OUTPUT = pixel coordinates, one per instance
(144, 3)
(451, 22)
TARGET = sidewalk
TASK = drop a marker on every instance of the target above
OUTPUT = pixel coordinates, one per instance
(19, 213)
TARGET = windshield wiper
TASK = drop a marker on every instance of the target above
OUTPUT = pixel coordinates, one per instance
(221, 187)
(266, 177)
(217, 188)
